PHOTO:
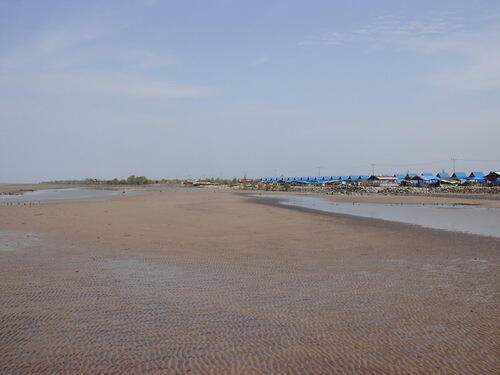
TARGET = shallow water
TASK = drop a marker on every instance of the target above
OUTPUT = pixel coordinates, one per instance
(55, 195)
(459, 218)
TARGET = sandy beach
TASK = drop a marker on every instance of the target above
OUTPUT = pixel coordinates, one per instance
(210, 281)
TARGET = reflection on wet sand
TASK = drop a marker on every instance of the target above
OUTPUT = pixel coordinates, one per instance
(461, 218)
(58, 195)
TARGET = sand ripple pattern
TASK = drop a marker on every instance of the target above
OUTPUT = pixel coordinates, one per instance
(68, 308)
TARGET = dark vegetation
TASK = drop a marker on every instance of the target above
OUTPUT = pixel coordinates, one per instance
(131, 180)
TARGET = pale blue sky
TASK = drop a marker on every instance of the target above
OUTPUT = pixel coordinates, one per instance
(215, 88)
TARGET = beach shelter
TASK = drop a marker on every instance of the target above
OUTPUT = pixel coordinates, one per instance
(443, 175)
(409, 176)
(429, 177)
(459, 176)
(400, 176)
(493, 176)
(303, 180)
(383, 180)
(477, 176)
(425, 178)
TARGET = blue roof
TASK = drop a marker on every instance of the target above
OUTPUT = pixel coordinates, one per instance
(443, 175)
(479, 175)
(459, 175)
(299, 179)
(429, 176)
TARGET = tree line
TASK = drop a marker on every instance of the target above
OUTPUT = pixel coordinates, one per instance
(130, 180)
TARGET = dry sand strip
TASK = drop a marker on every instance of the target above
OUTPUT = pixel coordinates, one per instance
(208, 282)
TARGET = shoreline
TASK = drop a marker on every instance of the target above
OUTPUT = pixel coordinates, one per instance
(17, 189)
(375, 222)
(452, 199)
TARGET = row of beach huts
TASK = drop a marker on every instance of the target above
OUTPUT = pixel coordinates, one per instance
(457, 178)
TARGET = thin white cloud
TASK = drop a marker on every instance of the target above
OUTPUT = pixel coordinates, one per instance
(260, 61)
(388, 29)
(483, 74)
(71, 61)
(472, 54)
(256, 109)
(475, 66)
(59, 39)
(93, 82)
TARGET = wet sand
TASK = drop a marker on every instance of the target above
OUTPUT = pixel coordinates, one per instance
(202, 281)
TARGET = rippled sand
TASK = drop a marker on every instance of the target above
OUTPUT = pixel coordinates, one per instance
(193, 281)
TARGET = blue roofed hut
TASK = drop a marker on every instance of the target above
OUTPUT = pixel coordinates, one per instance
(493, 176)
(477, 177)
(443, 175)
(409, 176)
(459, 176)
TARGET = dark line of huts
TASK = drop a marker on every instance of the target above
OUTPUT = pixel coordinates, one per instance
(396, 179)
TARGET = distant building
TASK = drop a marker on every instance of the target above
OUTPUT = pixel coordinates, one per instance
(459, 176)
(409, 176)
(443, 175)
(425, 178)
(477, 177)
(493, 176)
(383, 180)
(394, 180)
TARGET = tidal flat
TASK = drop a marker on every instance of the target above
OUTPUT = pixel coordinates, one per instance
(210, 281)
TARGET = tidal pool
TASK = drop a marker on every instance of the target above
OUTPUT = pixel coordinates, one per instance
(460, 218)
(55, 195)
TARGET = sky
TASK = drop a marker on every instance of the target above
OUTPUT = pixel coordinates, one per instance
(223, 88)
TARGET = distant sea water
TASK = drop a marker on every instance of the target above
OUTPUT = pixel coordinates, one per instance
(56, 195)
